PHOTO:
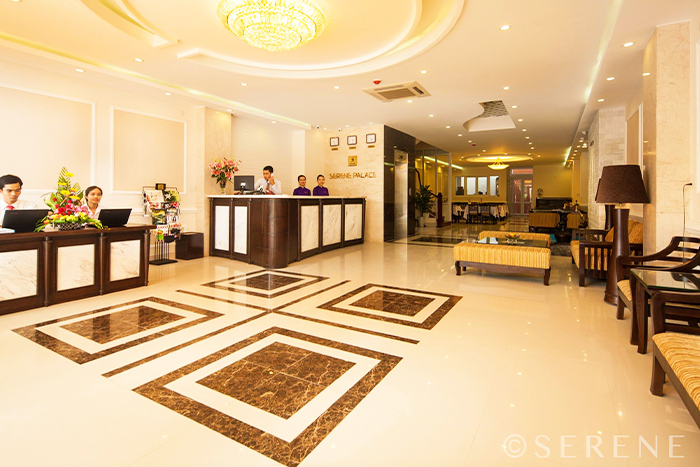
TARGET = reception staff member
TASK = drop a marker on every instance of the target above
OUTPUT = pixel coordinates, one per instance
(11, 186)
(93, 196)
(268, 183)
(320, 190)
(301, 190)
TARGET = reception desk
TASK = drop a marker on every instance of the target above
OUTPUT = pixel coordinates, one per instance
(42, 268)
(273, 231)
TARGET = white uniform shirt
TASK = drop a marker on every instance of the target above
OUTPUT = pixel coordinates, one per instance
(276, 189)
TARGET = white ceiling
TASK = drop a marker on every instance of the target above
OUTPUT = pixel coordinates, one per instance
(554, 59)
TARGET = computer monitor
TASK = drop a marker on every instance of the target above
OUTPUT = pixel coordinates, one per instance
(243, 182)
(23, 220)
(114, 217)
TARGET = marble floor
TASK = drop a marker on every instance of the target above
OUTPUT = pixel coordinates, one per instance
(376, 354)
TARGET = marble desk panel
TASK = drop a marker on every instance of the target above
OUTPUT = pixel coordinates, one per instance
(75, 266)
(309, 228)
(18, 274)
(331, 223)
(221, 227)
(126, 259)
(240, 229)
(353, 221)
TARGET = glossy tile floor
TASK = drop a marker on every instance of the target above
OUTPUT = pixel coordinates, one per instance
(376, 355)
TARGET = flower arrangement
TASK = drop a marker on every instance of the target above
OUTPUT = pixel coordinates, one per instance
(67, 210)
(223, 170)
(512, 236)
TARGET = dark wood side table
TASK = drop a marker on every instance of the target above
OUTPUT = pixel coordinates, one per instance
(649, 282)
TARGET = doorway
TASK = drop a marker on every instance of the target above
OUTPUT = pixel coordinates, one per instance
(520, 191)
(400, 198)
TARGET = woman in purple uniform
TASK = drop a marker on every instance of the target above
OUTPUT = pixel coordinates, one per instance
(320, 190)
(301, 190)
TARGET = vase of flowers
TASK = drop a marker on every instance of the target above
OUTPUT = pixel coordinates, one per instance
(223, 171)
(67, 210)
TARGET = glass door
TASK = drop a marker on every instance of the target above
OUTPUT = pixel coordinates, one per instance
(521, 192)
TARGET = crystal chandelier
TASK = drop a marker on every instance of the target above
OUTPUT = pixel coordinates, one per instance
(498, 165)
(272, 25)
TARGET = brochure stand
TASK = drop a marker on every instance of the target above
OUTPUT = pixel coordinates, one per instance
(163, 206)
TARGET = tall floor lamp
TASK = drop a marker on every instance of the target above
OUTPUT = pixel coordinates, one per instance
(620, 185)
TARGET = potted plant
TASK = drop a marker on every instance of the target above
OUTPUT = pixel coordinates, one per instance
(424, 201)
(67, 210)
(223, 171)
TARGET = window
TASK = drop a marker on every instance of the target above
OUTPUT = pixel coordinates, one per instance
(471, 185)
(459, 186)
(483, 185)
(494, 186)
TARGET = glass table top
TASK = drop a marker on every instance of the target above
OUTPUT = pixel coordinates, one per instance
(516, 242)
(666, 280)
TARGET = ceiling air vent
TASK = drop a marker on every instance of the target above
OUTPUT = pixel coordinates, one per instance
(398, 91)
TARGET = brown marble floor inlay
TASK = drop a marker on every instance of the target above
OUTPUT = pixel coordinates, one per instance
(113, 326)
(293, 369)
(279, 378)
(413, 304)
(125, 324)
(392, 302)
(265, 280)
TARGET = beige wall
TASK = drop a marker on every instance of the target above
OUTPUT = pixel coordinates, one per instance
(554, 180)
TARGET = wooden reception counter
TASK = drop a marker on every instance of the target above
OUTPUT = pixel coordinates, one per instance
(43, 268)
(273, 231)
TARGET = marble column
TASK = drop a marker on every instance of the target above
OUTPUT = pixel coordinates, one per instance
(666, 127)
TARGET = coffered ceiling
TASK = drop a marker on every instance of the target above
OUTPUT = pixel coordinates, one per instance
(546, 68)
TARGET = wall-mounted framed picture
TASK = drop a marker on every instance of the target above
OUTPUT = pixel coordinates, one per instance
(352, 161)
(371, 138)
(335, 141)
(352, 140)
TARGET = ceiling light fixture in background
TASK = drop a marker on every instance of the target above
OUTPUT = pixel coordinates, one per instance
(273, 25)
(505, 27)
(498, 165)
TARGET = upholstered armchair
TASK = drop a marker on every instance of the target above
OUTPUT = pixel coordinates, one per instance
(590, 250)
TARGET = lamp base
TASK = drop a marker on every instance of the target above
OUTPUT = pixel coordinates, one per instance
(620, 247)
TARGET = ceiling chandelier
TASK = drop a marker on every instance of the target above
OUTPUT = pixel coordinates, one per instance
(498, 165)
(272, 25)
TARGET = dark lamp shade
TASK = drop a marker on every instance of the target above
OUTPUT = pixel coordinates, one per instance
(621, 184)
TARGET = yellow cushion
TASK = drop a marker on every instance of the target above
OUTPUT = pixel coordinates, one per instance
(598, 264)
(505, 255)
(574, 251)
(573, 220)
(682, 352)
(625, 288)
(524, 235)
(610, 236)
(543, 219)
(635, 232)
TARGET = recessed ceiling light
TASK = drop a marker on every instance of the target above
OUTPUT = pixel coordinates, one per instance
(483, 150)
(601, 100)
(138, 59)
(371, 123)
(336, 87)
(524, 129)
(423, 72)
(229, 110)
(431, 115)
(610, 78)
(520, 119)
(529, 153)
(505, 27)
(628, 44)
(514, 106)
(347, 126)
(459, 134)
(409, 101)
(80, 70)
(168, 94)
(274, 121)
(505, 88)
(527, 137)
(539, 156)
(244, 84)
(447, 126)
(646, 74)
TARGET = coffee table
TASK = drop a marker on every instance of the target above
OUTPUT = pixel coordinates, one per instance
(516, 242)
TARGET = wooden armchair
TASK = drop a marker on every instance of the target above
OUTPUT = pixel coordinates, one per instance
(590, 250)
(681, 255)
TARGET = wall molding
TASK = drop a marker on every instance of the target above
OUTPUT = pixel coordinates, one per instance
(93, 124)
(113, 110)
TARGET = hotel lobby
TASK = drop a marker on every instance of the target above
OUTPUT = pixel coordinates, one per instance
(347, 330)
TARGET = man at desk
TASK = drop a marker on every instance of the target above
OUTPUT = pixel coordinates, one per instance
(11, 186)
(268, 183)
